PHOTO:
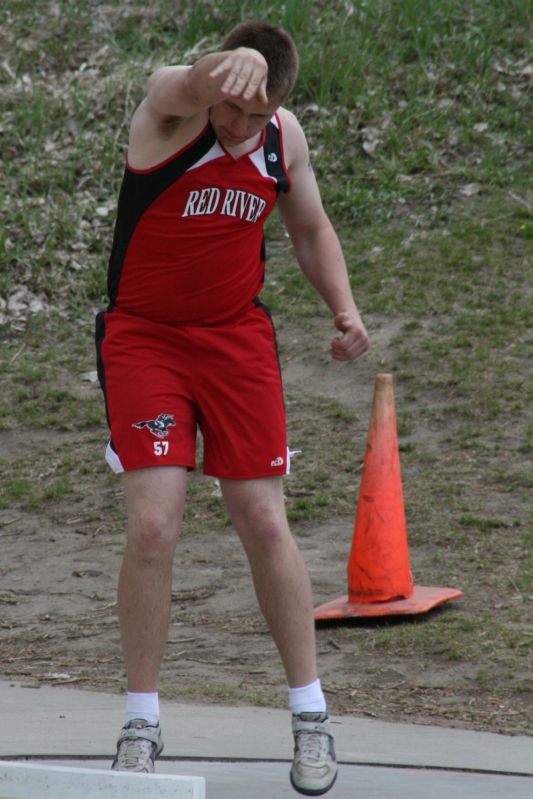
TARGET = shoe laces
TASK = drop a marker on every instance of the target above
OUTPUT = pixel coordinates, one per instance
(134, 753)
(312, 746)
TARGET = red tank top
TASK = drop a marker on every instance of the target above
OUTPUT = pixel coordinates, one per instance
(188, 246)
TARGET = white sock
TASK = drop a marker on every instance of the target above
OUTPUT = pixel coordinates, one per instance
(142, 706)
(307, 699)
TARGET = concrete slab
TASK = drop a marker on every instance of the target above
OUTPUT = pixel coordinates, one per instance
(244, 752)
(260, 780)
(43, 781)
(86, 724)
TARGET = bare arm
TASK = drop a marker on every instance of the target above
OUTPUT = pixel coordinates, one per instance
(178, 98)
(185, 91)
(317, 246)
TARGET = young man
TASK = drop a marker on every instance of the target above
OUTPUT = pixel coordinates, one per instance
(186, 342)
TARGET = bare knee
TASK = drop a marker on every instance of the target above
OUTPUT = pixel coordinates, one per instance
(152, 535)
(155, 499)
(257, 511)
(263, 529)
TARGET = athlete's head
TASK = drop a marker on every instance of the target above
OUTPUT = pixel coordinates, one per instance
(276, 46)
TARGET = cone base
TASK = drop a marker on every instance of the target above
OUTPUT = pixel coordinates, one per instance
(423, 599)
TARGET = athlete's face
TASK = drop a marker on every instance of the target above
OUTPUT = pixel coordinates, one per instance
(235, 120)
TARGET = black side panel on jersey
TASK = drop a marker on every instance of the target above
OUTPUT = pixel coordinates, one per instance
(266, 310)
(138, 192)
(274, 158)
(99, 340)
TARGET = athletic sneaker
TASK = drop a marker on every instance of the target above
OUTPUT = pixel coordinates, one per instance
(314, 768)
(138, 746)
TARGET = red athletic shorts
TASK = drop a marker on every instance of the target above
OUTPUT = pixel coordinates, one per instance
(161, 382)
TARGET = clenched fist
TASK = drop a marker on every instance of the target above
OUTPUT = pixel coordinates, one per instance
(354, 339)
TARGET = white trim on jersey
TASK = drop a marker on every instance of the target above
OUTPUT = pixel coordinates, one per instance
(258, 160)
(215, 152)
(290, 454)
(257, 157)
(113, 460)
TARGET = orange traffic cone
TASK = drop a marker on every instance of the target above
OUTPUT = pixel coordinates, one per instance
(379, 576)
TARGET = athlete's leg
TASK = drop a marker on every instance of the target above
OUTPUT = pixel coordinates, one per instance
(280, 577)
(155, 499)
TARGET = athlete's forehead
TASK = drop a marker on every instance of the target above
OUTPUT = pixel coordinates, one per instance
(253, 107)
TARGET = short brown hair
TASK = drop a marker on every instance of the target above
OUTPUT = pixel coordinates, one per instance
(275, 45)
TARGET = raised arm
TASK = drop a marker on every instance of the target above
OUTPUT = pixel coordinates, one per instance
(185, 91)
(178, 98)
(317, 246)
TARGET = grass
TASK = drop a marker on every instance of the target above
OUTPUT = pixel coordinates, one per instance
(25, 494)
(440, 89)
(224, 694)
(418, 116)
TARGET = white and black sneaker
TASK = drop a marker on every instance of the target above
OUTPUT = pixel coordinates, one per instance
(138, 746)
(314, 768)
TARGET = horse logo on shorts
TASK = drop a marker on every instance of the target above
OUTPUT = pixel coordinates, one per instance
(158, 427)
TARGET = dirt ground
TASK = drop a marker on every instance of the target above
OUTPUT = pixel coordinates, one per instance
(58, 581)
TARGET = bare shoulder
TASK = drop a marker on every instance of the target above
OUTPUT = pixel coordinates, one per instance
(167, 119)
(301, 208)
(294, 141)
(153, 137)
